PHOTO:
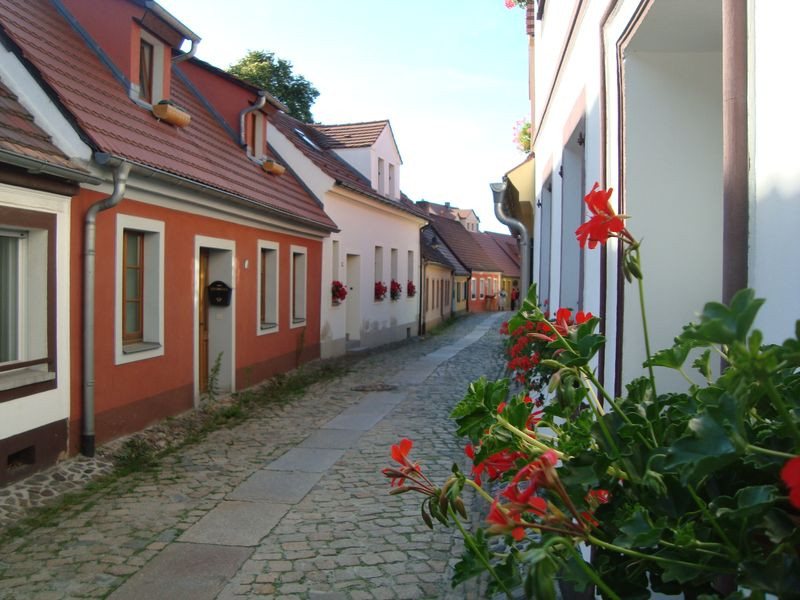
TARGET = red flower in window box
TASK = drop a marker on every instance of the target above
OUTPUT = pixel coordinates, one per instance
(338, 291)
(411, 289)
(380, 290)
(395, 289)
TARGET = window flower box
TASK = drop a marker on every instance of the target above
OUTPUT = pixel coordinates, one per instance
(380, 291)
(272, 167)
(411, 289)
(395, 290)
(338, 292)
(168, 111)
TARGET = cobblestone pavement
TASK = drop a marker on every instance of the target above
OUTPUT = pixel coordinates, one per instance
(289, 504)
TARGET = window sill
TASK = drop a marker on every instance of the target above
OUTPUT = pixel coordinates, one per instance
(140, 347)
(269, 326)
(14, 379)
(297, 323)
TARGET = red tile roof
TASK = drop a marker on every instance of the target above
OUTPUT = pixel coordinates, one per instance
(202, 152)
(316, 146)
(352, 135)
(463, 245)
(502, 249)
(20, 135)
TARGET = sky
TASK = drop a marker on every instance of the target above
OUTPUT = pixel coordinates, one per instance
(451, 77)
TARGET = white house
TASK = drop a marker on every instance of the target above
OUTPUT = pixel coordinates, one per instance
(683, 108)
(355, 170)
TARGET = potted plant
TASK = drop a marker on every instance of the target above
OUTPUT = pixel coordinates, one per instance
(380, 291)
(395, 289)
(172, 113)
(411, 289)
(338, 292)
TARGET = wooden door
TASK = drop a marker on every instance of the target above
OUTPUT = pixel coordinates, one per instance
(203, 321)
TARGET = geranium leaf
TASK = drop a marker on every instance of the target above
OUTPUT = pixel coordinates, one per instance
(637, 532)
(703, 364)
(671, 358)
(703, 451)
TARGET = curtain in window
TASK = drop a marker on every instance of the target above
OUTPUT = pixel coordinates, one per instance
(9, 298)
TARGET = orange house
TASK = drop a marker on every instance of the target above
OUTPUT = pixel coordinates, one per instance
(193, 262)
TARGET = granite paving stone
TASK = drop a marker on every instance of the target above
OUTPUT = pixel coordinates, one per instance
(302, 478)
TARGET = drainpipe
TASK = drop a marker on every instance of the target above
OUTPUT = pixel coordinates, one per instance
(499, 192)
(90, 234)
(186, 55)
(262, 99)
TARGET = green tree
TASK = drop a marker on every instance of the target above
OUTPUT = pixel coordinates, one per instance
(268, 72)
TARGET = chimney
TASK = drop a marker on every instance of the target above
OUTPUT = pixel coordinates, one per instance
(447, 205)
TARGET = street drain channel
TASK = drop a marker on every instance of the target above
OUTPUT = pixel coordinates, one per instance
(374, 387)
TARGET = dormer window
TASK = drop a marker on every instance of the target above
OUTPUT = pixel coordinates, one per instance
(256, 142)
(153, 72)
(380, 175)
(146, 71)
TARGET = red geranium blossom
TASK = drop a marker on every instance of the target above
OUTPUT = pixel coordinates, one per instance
(400, 454)
(790, 473)
(504, 523)
(604, 222)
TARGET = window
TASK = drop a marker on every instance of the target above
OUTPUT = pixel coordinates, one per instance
(393, 263)
(146, 71)
(483, 288)
(472, 295)
(335, 260)
(458, 293)
(378, 263)
(132, 286)
(256, 143)
(267, 287)
(298, 290)
(380, 176)
(391, 185)
(410, 271)
(427, 300)
(151, 85)
(140, 289)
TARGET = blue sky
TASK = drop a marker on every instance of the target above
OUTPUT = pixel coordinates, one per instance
(452, 77)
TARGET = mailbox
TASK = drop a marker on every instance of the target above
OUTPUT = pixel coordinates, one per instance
(219, 293)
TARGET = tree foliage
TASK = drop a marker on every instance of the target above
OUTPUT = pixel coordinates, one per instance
(268, 72)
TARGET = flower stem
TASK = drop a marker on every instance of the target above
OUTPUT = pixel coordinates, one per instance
(640, 284)
(654, 557)
(768, 451)
(707, 514)
(779, 405)
(528, 439)
(480, 490)
(591, 572)
(471, 543)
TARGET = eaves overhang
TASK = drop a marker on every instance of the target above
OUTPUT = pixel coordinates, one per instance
(35, 166)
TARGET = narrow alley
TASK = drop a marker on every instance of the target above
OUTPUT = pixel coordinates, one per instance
(289, 504)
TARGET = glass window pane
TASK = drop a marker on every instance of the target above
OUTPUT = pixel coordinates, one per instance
(132, 249)
(9, 299)
(132, 321)
(132, 291)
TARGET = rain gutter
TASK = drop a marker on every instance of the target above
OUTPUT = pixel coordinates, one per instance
(499, 192)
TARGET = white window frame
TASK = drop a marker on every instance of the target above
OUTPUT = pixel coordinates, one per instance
(152, 345)
(158, 70)
(294, 321)
(261, 328)
(473, 288)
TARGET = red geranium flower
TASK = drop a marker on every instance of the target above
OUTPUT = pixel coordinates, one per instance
(504, 523)
(790, 473)
(604, 222)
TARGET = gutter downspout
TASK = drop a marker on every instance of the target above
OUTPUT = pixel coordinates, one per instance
(499, 192)
(262, 99)
(90, 235)
(186, 55)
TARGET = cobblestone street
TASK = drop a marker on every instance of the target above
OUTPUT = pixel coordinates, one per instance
(289, 504)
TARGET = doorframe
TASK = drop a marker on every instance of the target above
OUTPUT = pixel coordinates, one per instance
(211, 243)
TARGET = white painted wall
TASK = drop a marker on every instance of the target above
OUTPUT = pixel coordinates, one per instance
(673, 194)
(365, 161)
(775, 173)
(363, 223)
(30, 412)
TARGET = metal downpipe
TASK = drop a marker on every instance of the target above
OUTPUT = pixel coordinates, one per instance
(262, 99)
(90, 235)
(499, 192)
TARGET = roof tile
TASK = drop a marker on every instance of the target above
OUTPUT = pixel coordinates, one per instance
(202, 152)
(352, 135)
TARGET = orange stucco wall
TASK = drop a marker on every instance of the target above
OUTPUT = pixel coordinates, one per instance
(484, 304)
(131, 396)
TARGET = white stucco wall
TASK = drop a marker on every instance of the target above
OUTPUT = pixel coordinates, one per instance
(36, 410)
(673, 195)
(775, 173)
(363, 223)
